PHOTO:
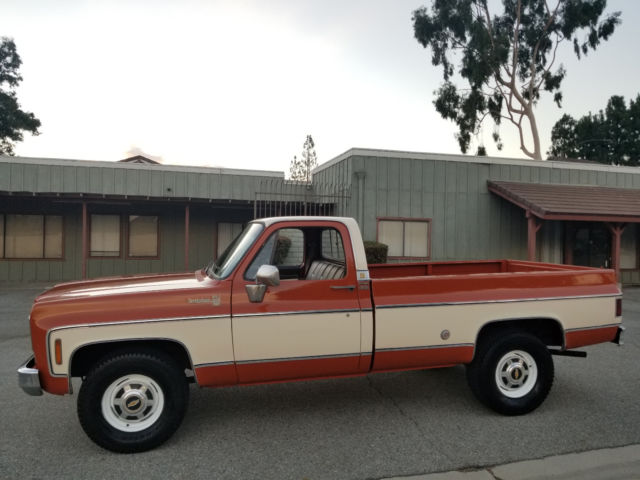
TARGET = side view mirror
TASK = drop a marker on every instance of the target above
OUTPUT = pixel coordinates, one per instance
(267, 276)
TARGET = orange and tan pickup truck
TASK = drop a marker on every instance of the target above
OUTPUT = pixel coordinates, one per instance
(293, 298)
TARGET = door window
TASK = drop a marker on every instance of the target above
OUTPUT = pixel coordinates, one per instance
(284, 249)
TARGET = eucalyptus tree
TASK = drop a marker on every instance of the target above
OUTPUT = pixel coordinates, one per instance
(498, 65)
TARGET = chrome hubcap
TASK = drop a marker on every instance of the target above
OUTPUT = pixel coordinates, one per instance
(516, 374)
(132, 403)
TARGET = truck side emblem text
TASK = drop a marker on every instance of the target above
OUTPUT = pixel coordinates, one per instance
(213, 300)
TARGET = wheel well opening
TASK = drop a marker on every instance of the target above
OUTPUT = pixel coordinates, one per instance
(548, 330)
(85, 357)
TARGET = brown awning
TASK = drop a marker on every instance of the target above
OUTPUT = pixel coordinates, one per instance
(572, 202)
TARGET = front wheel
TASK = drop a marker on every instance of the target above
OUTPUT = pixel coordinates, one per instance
(133, 401)
(511, 373)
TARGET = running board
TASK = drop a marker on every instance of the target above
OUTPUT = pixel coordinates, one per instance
(568, 353)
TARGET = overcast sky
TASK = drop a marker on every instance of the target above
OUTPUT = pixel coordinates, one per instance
(241, 83)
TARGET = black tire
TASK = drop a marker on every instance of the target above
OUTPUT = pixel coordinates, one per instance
(502, 376)
(157, 396)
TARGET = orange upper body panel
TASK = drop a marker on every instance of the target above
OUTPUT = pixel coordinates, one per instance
(131, 298)
(489, 281)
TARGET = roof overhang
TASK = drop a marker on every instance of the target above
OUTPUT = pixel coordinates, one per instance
(571, 202)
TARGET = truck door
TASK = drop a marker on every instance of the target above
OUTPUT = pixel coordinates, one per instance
(308, 325)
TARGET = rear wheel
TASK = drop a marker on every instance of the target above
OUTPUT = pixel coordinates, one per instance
(133, 401)
(511, 373)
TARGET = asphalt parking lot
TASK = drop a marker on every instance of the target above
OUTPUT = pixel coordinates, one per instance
(379, 426)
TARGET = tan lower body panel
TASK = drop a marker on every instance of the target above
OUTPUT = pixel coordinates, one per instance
(270, 337)
(207, 340)
(459, 324)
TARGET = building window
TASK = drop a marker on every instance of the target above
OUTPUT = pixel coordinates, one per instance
(105, 236)
(31, 236)
(143, 236)
(406, 238)
(226, 233)
(629, 247)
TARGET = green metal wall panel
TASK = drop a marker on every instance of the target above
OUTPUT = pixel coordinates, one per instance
(467, 221)
(109, 178)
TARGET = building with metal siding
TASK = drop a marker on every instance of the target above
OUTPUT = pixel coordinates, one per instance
(467, 221)
(446, 197)
(190, 204)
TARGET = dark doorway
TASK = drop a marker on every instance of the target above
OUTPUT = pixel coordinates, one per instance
(589, 244)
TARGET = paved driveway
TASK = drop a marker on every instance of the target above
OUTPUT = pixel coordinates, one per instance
(372, 427)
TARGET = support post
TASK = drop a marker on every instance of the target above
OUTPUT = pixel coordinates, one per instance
(532, 229)
(85, 240)
(360, 176)
(186, 238)
(616, 232)
(215, 240)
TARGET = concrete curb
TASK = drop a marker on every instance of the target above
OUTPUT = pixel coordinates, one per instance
(608, 463)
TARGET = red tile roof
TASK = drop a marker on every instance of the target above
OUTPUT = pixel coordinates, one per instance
(572, 202)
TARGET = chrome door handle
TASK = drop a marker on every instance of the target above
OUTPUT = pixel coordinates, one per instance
(343, 287)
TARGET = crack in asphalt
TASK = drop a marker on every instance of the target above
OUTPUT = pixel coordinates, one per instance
(395, 404)
(406, 415)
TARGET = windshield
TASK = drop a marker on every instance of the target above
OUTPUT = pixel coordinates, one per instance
(232, 255)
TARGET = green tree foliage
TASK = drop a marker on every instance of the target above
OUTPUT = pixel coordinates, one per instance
(506, 60)
(611, 136)
(302, 167)
(13, 120)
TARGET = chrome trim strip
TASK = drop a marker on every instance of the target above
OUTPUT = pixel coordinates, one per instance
(297, 312)
(146, 320)
(287, 359)
(478, 302)
(597, 327)
(132, 339)
(213, 364)
(425, 347)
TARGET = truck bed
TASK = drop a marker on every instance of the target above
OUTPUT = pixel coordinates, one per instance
(485, 281)
(396, 270)
(430, 314)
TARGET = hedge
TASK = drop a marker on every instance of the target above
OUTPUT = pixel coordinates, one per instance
(376, 252)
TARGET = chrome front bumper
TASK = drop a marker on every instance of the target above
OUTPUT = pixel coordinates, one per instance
(28, 378)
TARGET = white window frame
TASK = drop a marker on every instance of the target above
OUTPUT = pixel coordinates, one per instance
(404, 222)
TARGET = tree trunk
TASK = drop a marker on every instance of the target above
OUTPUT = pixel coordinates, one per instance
(537, 154)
